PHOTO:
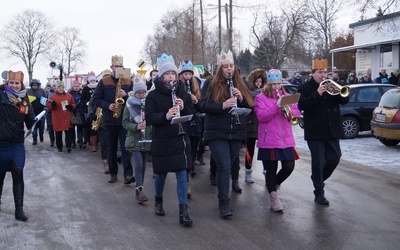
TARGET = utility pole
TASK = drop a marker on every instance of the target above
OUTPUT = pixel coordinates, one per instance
(230, 26)
(193, 32)
(219, 27)
(202, 33)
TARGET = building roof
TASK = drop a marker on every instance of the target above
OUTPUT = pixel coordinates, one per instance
(365, 45)
(375, 19)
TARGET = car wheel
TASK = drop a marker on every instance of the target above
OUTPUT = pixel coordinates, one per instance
(351, 127)
(390, 143)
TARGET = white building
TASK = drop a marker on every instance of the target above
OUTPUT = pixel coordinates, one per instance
(376, 42)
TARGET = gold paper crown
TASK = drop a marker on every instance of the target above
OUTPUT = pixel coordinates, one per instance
(15, 76)
(117, 60)
(319, 63)
(225, 58)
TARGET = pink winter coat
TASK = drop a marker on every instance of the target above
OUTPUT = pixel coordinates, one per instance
(274, 130)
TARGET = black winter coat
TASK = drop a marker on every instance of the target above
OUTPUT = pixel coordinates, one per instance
(220, 124)
(104, 95)
(170, 152)
(322, 118)
(12, 121)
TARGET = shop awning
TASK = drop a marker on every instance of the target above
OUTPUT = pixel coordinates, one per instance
(365, 45)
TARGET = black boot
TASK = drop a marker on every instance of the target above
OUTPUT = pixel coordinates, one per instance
(235, 186)
(193, 171)
(213, 181)
(18, 190)
(184, 218)
(224, 210)
(158, 206)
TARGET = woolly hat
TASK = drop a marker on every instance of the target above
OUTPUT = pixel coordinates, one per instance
(35, 82)
(139, 86)
(60, 83)
(186, 66)
(274, 76)
(365, 75)
(166, 63)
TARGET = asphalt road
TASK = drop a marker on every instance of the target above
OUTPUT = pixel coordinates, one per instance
(71, 205)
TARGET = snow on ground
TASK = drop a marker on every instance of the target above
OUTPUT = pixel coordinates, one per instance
(365, 150)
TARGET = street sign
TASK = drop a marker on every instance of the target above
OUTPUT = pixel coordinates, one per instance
(141, 64)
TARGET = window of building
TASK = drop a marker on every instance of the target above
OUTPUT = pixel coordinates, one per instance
(386, 58)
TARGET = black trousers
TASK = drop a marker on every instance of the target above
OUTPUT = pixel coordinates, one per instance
(115, 134)
(325, 156)
(68, 139)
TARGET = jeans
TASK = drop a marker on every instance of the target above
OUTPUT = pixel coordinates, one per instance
(11, 151)
(115, 134)
(40, 126)
(224, 153)
(181, 185)
(139, 160)
(325, 156)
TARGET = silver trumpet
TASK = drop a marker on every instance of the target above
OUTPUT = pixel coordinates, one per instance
(189, 90)
(175, 104)
(143, 140)
(334, 88)
(230, 83)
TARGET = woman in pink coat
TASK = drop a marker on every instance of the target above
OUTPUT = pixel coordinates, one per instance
(61, 104)
(275, 138)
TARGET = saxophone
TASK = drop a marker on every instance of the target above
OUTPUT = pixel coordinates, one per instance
(97, 123)
(118, 100)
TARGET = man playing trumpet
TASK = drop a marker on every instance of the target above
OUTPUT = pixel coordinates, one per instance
(322, 127)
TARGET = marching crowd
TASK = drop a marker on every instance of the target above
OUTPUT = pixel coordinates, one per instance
(169, 120)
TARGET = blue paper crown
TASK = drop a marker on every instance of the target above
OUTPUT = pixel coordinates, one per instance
(186, 65)
(274, 76)
(165, 58)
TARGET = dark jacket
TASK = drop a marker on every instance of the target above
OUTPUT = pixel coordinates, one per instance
(104, 95)
(12, 121)
(395, 80)
(170, 152)
(36, 105)
(322, 118)
(85, 98)
(220, 124)
(382, 78)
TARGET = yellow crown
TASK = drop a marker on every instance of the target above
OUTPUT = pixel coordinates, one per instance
(224, 58)
(117, 60)
(320, 63)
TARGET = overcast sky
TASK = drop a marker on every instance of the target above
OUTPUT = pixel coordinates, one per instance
(108, 27)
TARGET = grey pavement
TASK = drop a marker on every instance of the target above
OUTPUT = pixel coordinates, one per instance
(71, 205)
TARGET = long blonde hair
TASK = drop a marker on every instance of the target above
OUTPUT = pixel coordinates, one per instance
(194, 85)
(268, 91)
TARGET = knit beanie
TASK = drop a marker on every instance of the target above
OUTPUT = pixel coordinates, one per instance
(60, 83)
(166, 63)
(139, 86)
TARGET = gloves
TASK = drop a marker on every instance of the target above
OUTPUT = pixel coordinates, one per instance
(53, 104)
(93, 117)
(69, 107)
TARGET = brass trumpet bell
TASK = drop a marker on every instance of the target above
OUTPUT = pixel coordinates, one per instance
(334, 88)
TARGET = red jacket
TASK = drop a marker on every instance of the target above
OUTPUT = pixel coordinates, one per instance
(61, 117)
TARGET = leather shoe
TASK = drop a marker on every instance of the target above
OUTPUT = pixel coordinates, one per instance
(113, 179)
(321, 200)
(129, 179)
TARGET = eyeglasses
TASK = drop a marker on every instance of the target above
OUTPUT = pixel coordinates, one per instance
(140, 93)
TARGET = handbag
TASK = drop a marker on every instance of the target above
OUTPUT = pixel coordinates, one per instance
(76, 119)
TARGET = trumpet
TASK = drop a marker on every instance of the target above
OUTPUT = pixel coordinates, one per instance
(334, 88)
(288, 113)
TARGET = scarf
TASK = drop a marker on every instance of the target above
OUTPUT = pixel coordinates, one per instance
(14, 96)
(134, 105)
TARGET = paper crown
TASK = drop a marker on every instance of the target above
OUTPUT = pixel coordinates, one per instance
(274, 76)
(117, 60)
(186, 66)
(224, 58)
(139, 79)
(319, 63)
(91, 76)
(15, 76)
(166, 63)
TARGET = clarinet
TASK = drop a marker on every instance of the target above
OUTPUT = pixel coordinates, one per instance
(175, 104)
(189, 90)
(230, 83)
(142, 121)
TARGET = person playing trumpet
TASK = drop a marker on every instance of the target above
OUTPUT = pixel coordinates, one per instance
(275, 137)
(322, 127)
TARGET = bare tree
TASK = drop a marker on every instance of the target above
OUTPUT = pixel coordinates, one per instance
(27, 36)
(324, 13)
(70, 49)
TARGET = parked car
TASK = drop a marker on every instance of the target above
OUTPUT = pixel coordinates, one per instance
(357, 113)
(385, 123)
(290, 88)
